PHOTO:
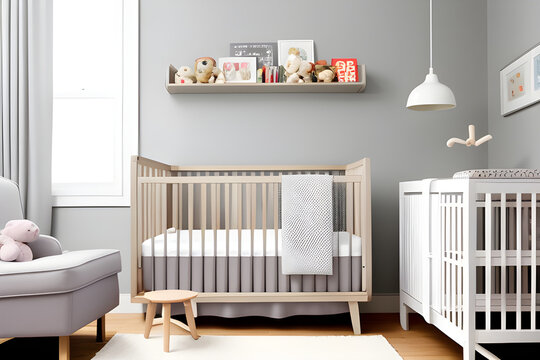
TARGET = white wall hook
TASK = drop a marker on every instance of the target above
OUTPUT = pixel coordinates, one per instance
(471, 140)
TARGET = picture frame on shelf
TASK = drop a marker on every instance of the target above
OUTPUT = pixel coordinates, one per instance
(520, 82)
(306, 48)
(265, 52)
(239, 69)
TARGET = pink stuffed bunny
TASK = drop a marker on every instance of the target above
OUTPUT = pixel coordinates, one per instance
(13, 238)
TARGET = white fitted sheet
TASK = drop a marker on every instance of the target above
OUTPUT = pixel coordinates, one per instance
(340, 243)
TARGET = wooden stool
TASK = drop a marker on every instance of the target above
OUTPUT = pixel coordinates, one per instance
(166, 298)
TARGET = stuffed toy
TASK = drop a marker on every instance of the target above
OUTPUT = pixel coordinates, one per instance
(13, 239)
(325, 73)
(185, 75)
(305, 70)
(206, 71)
(296, 69)
(220, 78)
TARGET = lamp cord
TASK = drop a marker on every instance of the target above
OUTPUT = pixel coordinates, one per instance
(430, 34)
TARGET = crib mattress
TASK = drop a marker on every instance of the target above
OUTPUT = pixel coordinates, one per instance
(249, 272)
(340, 243)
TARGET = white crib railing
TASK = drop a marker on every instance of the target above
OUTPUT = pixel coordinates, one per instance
(469, 255)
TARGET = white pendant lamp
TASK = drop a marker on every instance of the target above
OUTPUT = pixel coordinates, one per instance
(431, 94)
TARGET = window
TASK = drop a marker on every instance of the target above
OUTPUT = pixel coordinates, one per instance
(95, 101)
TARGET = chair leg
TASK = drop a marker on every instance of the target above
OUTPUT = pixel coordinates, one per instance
(63, 348)
(100, 332)
(150, 313)
(166, 326)
(191, 320)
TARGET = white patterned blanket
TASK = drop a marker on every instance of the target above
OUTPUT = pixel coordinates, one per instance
(306, 215)
(498, 174)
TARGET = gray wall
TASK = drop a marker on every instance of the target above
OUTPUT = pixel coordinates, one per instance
(390, 37)
(515, 142)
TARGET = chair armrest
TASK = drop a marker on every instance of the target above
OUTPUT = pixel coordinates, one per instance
(45, 246)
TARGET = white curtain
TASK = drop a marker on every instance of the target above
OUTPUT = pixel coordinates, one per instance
(26, 103)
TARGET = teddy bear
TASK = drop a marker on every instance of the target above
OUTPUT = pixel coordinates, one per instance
(325, 73)
(305, 70)
(185, 75)
(206, 71)
(13, 239)
(296, 69)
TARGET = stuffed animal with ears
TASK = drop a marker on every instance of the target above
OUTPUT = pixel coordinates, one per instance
(13, 239)
(185, 75)
(206, 71)
(296, 69)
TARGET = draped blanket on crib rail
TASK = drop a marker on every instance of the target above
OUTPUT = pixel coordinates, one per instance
(306, 214)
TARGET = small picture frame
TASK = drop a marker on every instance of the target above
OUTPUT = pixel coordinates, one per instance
(239, 69)
(520, 82)
(265, 52)
(306, 48)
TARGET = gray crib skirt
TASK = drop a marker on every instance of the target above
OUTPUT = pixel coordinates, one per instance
(250, 274)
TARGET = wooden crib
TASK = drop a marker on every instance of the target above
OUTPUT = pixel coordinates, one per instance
(195, 224)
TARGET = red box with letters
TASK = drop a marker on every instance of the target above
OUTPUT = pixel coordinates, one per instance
(347, 69)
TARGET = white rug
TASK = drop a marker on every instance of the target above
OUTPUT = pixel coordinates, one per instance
(135, 347)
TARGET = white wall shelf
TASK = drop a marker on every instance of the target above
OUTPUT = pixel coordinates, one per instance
(334, 87)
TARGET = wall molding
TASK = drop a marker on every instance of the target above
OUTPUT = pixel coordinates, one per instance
(380, 303)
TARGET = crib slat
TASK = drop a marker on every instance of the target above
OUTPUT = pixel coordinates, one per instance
(488, 237)
(234, 204)
(276, 215)
(518, 261)
(239, 216)
(453, 246)
(175, 205)
(357, 209)
(213, 214)
(203, 219)
(140, 234)
(264, 226)
(227, 218)
(503, 261)
(180, 207)
(276, 224)
(218, 202)
(350, 225)
(447, 256)
(190, 218)
(253, 215)
(460, 264)
(158, 204)
(533, 261)
(165, 233)
(248, 206)
(152, 231)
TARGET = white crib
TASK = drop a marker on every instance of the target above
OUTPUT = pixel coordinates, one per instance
(469, 259)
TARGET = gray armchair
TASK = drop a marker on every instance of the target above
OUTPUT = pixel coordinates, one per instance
(58, 292)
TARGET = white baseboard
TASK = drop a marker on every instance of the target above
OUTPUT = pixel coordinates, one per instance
(380, 303)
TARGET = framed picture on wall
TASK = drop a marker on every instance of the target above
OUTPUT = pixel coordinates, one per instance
(520, 82)
(265, 52)
(305, 48)
(239, 69)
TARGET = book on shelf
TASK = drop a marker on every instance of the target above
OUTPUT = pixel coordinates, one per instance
(346, 69)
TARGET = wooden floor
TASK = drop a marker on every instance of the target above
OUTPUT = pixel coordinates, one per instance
(422, 341)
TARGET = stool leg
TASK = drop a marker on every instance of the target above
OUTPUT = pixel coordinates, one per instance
(191, 320)
(166, 326)
(150, 313)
